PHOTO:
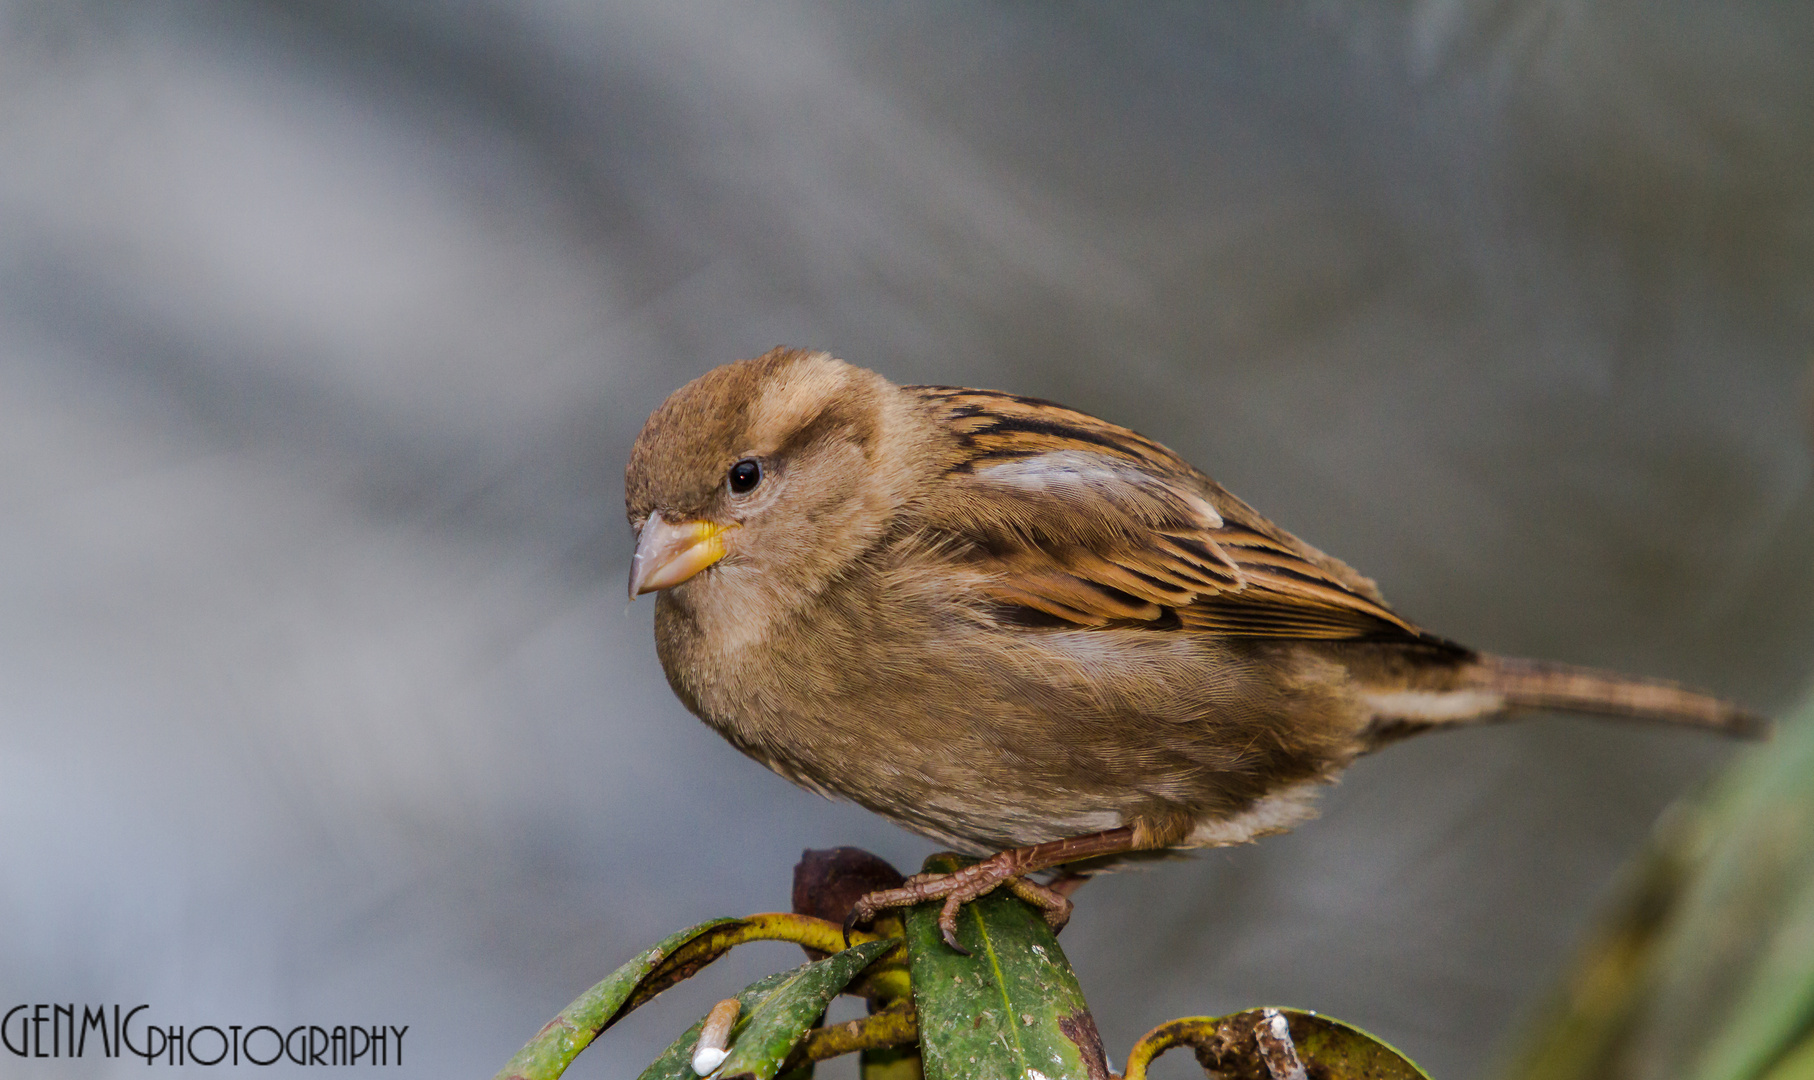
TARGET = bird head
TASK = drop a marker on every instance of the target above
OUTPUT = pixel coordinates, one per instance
(763, 476)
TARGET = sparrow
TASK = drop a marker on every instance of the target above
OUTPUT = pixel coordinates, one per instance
(1028, 633)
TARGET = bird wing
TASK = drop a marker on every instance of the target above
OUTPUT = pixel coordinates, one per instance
(1093, 525)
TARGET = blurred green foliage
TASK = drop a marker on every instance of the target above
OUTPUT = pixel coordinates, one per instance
(1704, 970)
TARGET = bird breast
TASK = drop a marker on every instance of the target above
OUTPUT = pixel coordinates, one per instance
(984, 734)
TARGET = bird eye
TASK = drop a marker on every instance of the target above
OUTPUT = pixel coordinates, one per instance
(745, 475)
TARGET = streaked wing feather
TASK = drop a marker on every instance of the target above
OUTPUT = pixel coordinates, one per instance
(1092, 524)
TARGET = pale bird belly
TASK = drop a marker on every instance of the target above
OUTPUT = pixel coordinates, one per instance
(984, 827)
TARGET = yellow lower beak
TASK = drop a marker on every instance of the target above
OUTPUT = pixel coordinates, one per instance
(668, 554)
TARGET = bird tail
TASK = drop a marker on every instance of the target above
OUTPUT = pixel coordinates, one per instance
(1488, 688)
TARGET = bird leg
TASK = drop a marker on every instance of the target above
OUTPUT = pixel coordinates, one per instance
(1004, 868)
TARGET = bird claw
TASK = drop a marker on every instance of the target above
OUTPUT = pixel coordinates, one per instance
(959, 888)
(947, 924)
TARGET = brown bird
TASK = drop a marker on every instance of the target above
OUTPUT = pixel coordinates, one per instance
(1026, 632)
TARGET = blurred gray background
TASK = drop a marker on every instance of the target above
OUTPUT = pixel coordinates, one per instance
(325, 328)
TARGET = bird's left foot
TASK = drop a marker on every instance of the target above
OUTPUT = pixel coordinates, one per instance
(959, 888)
(1004, 868)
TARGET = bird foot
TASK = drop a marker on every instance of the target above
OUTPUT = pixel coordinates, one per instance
(959, 888)
(1003, 868)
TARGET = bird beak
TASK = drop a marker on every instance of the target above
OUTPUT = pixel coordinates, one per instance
(668, 554)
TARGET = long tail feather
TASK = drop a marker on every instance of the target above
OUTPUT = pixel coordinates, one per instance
(1488, 688)
(1541, 684)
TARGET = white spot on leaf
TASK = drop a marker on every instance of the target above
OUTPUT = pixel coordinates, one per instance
(705, 1059)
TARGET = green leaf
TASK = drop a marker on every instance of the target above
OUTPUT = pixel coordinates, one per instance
(676, 1062)
(1345, 1050)
(554, 1047)
(1227, 1046)
(895, 1063)
(767, 1033)
(1013, 1009)
(814, 933)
